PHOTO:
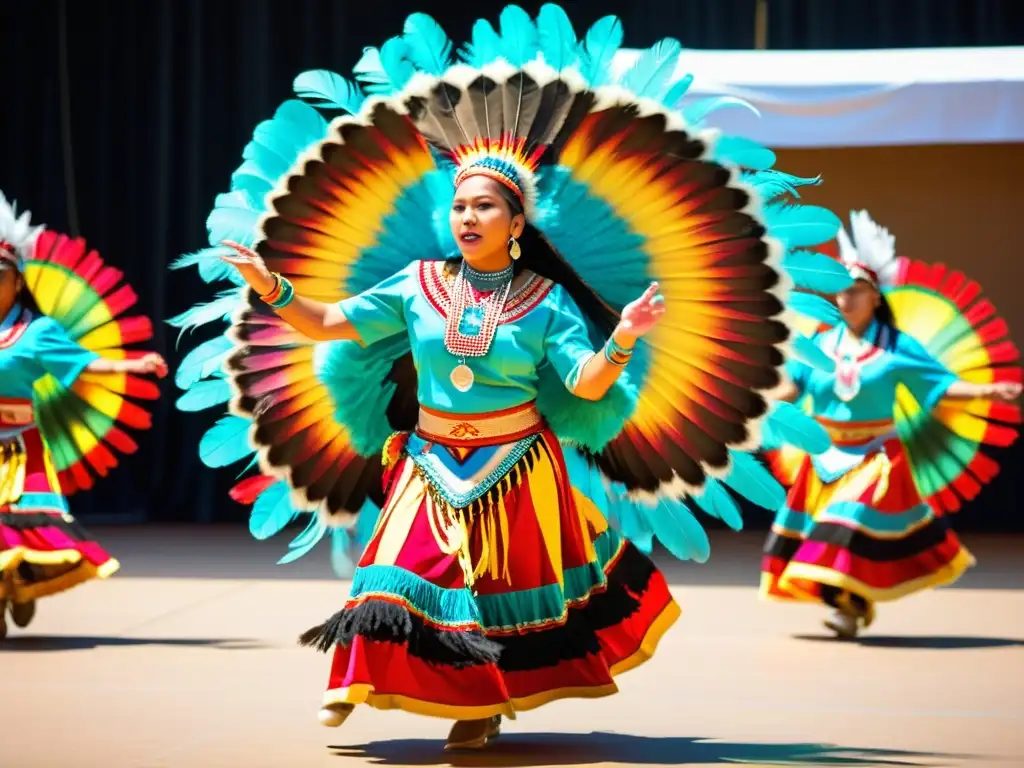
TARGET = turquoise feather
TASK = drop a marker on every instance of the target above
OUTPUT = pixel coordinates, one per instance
(697, 112)
(385, 71)
(627, 518)
(485, 46)
(202, 361)
(557, 37)
(329, 90)
(348, 544)
(814, 271)
(650, 75)
(801, 226)
(811, 354)
(204, 394)
(814, 307)
(272, 511)
(211, 268)
(602, 41)
(234, 217)
(345, 371)
(520, 41)
(678, 530)
(678, 91)
(743, 152)
(789, 425)
(225, 442)
(305, 541)
(772, 184)
(715, 500)
(753, 482)
(219, 309)
(342, 562)
(427, 45)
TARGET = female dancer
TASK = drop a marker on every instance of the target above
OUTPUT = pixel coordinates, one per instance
(63, 376)
(548, 304)
(906, 406)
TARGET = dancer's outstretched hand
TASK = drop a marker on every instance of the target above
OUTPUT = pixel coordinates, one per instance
(251, 267)
(153, 363)
(1007, 391)
(640, 316)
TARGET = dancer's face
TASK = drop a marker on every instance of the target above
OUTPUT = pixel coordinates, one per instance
(10, 287)
(482, 223)
(858, 304)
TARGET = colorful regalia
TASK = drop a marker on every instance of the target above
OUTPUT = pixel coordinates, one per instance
(500, 530)
(866, 521)
(59, 423)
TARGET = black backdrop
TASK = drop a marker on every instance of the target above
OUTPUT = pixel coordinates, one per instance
(123, 119)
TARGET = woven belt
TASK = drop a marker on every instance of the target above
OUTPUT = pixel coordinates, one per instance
(856, 432)
(479, 428)
(16, 413)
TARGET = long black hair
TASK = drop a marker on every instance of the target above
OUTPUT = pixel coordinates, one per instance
(24, 297)
(540, 257)
(887, 330)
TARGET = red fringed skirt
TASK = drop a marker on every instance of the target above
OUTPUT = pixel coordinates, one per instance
(43, 550)
(466, 607)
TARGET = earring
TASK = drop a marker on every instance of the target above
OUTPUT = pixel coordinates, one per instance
(513, 249)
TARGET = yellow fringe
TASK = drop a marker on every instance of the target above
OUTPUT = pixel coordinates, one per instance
(13, 467)
(451, 525)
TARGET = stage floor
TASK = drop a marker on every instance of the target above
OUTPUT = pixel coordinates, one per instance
(187, 659)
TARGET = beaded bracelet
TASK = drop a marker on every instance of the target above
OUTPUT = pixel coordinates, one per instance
(615, 354)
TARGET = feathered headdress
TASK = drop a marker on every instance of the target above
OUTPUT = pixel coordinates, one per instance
(871, 254)
(17, 235)
(617, 170)
(505, 160)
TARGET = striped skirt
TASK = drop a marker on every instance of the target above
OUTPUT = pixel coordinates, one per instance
(864, 532)
(467, 607)
(43, 550)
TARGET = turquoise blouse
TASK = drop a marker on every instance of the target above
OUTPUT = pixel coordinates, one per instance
(907, 363)
(546, 328)
(40, 348)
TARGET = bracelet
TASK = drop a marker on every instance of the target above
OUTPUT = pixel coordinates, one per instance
(281, 295)
(285, 295)
(274, 292)
(615, 354)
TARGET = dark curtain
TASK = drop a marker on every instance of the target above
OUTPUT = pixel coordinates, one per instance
(123, 119)
(824, 24)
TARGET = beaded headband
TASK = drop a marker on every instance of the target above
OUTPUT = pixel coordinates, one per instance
(504, 160)
(861, 271)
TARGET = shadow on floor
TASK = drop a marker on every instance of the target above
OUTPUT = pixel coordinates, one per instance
(542, 749)
(920, 642)
(35, 643)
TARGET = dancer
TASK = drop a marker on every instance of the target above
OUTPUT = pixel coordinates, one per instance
(64, 377)
(551, 302)
(923, 374)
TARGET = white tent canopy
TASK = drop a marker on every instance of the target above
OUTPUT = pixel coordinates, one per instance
(864, 98)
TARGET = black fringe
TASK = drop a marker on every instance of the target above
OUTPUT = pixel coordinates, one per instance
(381, 621)
(577, 639)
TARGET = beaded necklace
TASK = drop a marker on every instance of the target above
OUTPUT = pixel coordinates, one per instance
(473, 318)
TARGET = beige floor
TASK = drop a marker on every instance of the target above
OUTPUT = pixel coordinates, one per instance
(187, 659)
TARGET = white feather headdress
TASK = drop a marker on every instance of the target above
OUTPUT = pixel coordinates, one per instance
(17, 235)
(871, 253)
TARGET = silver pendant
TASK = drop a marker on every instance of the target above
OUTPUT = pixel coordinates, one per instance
(462, 377)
